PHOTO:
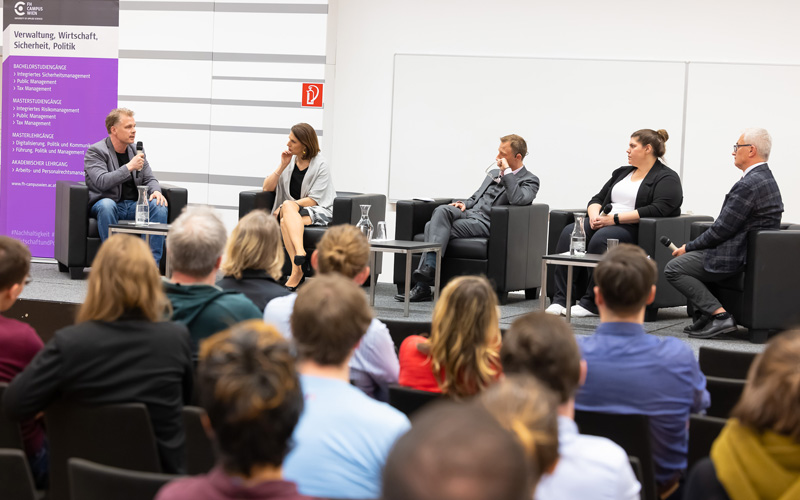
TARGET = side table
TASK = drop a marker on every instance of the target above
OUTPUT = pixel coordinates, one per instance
(408, 248)
(565, 259)
(130, 227)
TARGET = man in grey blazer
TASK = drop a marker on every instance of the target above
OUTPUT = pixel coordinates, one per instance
(510, 184)
(753, 203)
(113, 171)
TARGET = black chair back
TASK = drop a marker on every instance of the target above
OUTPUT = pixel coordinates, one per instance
(119, 435)
(92, 481)
(632, 433)
(703, 430)
(400, 330)
(16, 482)
(409, 400)
(200, 456)
(725, 363)
(10, 434)
(725, 393)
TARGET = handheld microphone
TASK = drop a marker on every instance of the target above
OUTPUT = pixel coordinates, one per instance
(139, 150)
(607, 209)
(667, 243)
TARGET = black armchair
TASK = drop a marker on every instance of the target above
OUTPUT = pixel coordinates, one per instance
(511, 257)
(651, 229)
(346, 210)
(76, 237)
(764, 295)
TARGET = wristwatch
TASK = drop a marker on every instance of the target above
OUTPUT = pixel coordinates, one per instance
(616, 219)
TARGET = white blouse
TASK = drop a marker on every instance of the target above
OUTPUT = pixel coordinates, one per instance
(623, 195)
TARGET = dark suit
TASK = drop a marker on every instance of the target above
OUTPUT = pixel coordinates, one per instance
(129, 360)
(753, 203)
(450, 222)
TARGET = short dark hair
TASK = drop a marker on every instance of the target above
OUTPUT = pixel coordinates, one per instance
(307, 136)
(457, 451)
(250, 389)
(15, 262)
(625, 277)
(517, 143)
(544, 346)
(330, 316)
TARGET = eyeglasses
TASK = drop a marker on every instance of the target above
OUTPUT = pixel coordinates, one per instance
(737, 146)
(490, 171)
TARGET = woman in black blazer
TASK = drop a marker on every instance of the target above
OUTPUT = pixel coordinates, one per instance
(646, 188)
(121, 350)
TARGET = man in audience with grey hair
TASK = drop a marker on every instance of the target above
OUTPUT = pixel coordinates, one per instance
(195, 243)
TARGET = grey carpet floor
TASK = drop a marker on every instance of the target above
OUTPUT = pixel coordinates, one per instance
(49, 284)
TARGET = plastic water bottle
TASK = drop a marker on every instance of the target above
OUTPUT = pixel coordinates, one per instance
(577, 244)
(142, 207)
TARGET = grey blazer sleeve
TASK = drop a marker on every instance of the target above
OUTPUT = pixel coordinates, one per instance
(96, 164)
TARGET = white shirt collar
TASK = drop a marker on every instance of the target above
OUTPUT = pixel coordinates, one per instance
(751, 167)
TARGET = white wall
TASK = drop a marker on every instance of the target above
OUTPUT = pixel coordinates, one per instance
(369, 33)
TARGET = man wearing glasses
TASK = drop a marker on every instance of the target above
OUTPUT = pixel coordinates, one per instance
(507, 182)
(752, 203)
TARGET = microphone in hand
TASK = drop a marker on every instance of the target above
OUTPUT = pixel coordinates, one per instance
(139, 150)
(667, 243)
(607, 209)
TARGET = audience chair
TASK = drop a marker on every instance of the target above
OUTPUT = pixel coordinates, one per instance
(725, 363)
(400, 330)
(200, 456)
(119, 435)
(409, 400)
(511, 257)
(632, 433)
(725, 393)
(76, 237)
(16, 482)
(10, 433)
(762, 297)
(703, 430)
(346, 210)
(92, 481)
(651, 229)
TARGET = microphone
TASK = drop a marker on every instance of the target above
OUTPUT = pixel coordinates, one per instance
(667, 243)
(607, 209)
(139, 150)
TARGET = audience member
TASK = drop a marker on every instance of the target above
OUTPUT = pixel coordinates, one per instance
(254, 259)
(753, 203)
(19, 343)
(528, 409)
(344, 436)
(304, 195)
(461, 357)
(588, 466)
(194, 246)
(248, 385)
(630, 371)
(344, 250)
(757, 455)
(121, 350)
(457, 451)
(508, 184)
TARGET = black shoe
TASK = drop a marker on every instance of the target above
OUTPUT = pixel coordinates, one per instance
(294, 288)
(718, 326)
(419, 293)
(424, 275)
(698, 324)
(304, 262)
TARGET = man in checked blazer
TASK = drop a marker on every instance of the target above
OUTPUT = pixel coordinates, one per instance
(752, 203)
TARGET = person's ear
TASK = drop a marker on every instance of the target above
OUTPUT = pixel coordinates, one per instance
(315, 260)
(362, 276)
(584, 371)
(598, 297)
(652, 296)
(206, 422)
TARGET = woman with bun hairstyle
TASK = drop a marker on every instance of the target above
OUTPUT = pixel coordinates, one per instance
(645, 188)
(757, 454)
(344, 250)
(304, 195)
(462, 355)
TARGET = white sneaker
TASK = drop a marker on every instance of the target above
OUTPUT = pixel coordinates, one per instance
(556, 309)
(579, 311)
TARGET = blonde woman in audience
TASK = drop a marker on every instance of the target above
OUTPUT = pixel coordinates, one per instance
(757, 454)
(461, 356)
(248, 385)
(529, 410)
(254, 259)
(344, 250)
(121, 350)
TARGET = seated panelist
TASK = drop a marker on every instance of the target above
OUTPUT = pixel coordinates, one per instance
(645, 188)
(304, 195)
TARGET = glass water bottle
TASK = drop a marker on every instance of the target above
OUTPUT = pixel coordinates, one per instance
(577, 244)
(142, 207)
(364, 224)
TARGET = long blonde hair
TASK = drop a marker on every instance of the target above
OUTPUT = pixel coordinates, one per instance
(464, 345)
(255, 243)
(124, 278)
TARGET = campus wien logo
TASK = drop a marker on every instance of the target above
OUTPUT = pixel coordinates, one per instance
(28, 10)
(19, 8)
